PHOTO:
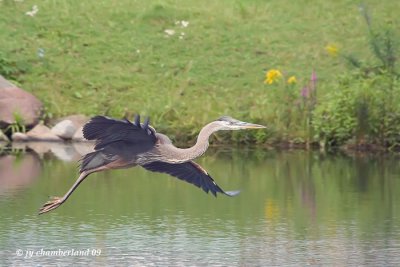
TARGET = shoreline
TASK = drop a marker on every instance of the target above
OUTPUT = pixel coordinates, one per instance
(278, 146)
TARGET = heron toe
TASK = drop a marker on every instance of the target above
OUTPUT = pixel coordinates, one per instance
(52, 204)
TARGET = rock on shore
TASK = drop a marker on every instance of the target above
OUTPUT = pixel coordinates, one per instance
(15, 102)
(20, 107)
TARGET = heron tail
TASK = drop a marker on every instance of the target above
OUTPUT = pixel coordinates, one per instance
(93, 160)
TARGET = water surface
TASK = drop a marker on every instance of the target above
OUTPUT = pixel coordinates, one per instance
(295, 208)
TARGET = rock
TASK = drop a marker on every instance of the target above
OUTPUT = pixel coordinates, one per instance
(78, 120)
(14, 100)
(78, 136)
(64, 129)
(19, 137)
(41, 133)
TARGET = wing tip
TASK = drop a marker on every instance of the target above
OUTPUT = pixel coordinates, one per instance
(227, 193)
(137, 120)
(232, 193)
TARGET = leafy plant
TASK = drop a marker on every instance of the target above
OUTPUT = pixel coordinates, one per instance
(363, 108)
(282, 95)
(359, 109)
(18, 125)
(290, 104)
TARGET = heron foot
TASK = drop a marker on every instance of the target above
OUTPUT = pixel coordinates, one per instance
(52, 204)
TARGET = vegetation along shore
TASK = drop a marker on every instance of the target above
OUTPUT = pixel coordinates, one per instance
(317, 74)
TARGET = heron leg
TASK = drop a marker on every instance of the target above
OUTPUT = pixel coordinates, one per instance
(55, 202)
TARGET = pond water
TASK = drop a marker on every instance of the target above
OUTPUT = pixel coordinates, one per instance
(296, 208)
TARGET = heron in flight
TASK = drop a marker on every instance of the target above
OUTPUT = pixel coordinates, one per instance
(123, 144)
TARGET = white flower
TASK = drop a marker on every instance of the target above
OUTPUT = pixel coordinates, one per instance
(169, 32)
(33, 12)
(138, 51)
(184, 23)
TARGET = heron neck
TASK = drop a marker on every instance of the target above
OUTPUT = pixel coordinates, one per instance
(187, 154)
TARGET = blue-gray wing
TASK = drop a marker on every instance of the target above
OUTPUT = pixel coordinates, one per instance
(190, 172)
(120, 138)
(106, 130)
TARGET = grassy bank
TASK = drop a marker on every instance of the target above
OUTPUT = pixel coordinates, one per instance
(115, 58)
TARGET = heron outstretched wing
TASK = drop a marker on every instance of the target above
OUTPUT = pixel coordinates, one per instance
(106, 130)
(116, 139)
(190, 172)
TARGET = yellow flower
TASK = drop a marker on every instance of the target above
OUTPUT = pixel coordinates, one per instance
(292, 80)
(332, 50)
(272, 75)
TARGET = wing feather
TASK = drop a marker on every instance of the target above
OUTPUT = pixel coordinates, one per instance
(120, 137)
(190, 172)
(106, 131)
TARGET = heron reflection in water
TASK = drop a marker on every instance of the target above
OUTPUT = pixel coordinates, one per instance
(123, 144)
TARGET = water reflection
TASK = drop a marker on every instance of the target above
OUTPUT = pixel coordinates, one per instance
(296, 208)
(18, 172)
(60, 150)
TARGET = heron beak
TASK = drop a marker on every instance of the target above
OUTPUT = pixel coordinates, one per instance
(247, 125)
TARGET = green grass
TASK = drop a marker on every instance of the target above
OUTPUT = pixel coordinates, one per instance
(113, 57)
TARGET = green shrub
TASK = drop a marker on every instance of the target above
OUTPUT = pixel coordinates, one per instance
(365, 104)
(361, 108)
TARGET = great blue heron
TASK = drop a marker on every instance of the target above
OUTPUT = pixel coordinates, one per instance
(123, 144)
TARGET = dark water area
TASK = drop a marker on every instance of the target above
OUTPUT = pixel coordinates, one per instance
(296, 208)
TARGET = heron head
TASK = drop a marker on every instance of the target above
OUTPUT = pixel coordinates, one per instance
(229, 123)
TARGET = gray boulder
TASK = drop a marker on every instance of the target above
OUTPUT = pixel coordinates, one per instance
(42, 133)
(78, 136)
(78, 120)
(19, 137)
(38, 133)
(14, 100)
(64, 129)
